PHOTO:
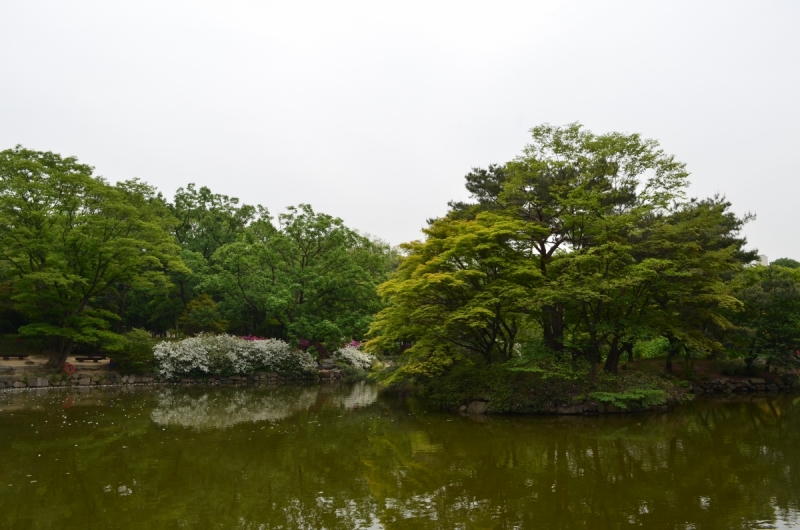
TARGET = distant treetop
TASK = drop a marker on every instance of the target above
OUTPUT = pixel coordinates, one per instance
(787, 262)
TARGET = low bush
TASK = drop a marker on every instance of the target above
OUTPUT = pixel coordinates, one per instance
(729, 367)
(136, 356)
(228, 355)
(354, 357)
(645, 397)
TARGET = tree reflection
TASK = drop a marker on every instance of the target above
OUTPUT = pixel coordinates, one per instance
(333, 457)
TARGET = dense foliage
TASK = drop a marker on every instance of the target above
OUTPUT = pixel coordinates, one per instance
(580, 251)
(82, 262)
(578, 254)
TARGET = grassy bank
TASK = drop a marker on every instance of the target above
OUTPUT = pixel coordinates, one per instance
(544, 389)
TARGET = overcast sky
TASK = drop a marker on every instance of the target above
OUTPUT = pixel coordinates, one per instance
(374, 111)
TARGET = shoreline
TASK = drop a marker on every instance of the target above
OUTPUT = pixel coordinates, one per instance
(728, 389)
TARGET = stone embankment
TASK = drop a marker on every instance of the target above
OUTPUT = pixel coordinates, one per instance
(736, 388)
(587, 408)
(87, 379)
(774, 385)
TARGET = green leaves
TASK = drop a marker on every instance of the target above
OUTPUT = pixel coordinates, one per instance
(584, 240)
(311, 276)
(466, 288)
(769, 324)
(68, 238)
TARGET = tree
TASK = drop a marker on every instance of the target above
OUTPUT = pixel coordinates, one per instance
(787, 263)
(207, 221)
(620, 254)
(465, 290)
(68, 238)
(576, 191)
(770, 319)
(201, 315)
(311, 277)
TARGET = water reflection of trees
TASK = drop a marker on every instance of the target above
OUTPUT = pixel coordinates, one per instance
(706, 466)
(714, 467)
(215, 409)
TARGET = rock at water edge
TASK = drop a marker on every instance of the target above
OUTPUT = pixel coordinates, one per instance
(477, 407)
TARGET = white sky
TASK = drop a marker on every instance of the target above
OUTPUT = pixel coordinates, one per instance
(374, 111)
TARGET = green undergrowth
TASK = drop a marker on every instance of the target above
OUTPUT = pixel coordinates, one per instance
(351, 374)
(543, 387)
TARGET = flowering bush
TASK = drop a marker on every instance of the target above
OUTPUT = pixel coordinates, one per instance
(225, 354)
(354, 357)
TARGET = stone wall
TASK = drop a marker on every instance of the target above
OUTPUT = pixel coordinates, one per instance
(104, 378)
(724, 385)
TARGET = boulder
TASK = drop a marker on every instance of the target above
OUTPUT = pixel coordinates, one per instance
(757, 381)
(85, 381)
(572, 409)
(772, 387)
(19, 384)
(477, 407)
(462, 409)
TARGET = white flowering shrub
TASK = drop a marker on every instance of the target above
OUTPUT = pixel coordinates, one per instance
(354, 357)
(226, 355)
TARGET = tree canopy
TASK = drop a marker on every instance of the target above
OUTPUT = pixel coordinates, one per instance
(68, 238)
(577, 250)
(83, 261)
(583, 244)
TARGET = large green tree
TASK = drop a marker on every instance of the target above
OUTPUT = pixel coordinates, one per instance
(465, 290)
(68, 238)
(620, 253)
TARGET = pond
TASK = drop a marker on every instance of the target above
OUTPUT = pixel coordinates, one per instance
(340, 457)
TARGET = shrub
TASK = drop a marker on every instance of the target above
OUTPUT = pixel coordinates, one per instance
(227, 355)
(354, 357)
(651, 349)
(729, 366)
(136, 355)
(646, 397)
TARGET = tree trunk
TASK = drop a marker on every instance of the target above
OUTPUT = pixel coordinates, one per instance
(673, 351)
(60, 349)
(594, 354)
(553, 323)
(627, 347)
(612, 361)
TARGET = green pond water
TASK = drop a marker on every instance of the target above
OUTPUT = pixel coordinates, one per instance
(342, 457)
